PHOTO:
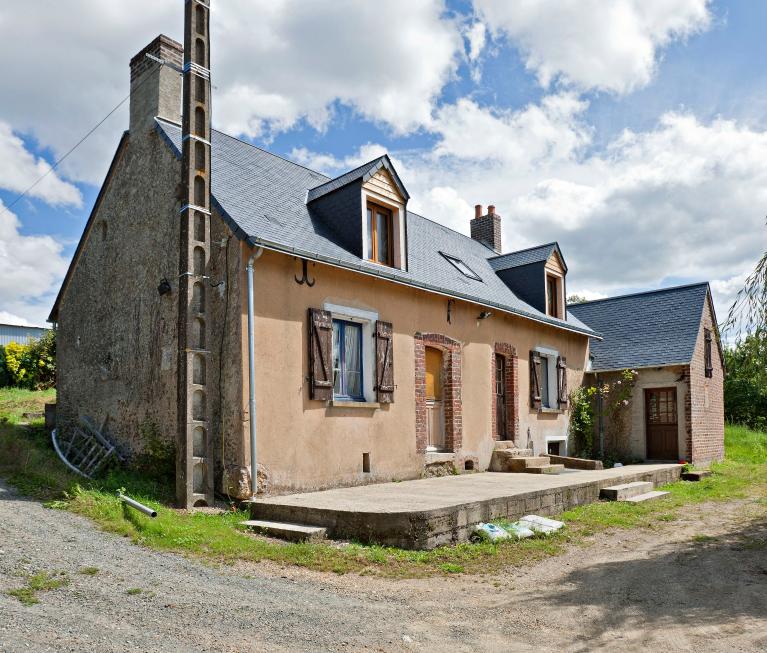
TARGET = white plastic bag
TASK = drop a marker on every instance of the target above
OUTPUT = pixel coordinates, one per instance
(490, 532)
(519, 531)
(541, 524)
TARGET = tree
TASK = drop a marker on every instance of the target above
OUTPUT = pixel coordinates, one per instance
(745, 385)
(748, 313)
(576, 299)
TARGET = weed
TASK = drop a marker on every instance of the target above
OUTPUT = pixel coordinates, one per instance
(40, 582)
(133, 591)
(89, 571)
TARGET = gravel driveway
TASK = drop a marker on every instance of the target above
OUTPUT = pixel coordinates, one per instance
(627, 591)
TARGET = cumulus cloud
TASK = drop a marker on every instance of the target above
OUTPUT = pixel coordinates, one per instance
(592, 44)
(275, 63)
(31, 269)
(19, 169)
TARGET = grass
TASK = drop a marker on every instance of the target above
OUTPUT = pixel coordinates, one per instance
(28, 462)
(36, 583)
(14, 402)
(89, 571)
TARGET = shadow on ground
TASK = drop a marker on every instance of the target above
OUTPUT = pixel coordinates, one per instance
(706, 581)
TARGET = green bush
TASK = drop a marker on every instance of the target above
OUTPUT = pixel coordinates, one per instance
(582, 420)
(745, 384)
(31, 366)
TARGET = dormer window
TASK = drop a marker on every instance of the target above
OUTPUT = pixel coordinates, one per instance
(552, 296)
(379, 234)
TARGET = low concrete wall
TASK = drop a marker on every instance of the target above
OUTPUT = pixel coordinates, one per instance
(428, 529)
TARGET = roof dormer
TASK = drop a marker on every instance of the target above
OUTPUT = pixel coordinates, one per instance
(537, 276)
(366, 211)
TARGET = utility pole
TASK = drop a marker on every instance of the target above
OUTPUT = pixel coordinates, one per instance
(194, 461)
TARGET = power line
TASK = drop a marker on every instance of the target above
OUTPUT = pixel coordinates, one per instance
(75, 146)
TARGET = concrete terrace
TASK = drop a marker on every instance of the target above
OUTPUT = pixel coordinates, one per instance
(426, 513)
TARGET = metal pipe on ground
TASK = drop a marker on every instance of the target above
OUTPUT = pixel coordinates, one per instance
(138, 506)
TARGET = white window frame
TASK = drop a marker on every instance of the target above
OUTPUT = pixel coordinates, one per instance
(368, 321)
(556, 438)
(550, 356)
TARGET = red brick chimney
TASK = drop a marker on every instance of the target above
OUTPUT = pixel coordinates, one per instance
(487, 228)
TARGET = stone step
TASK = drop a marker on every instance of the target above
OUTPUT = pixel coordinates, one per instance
(544, 469)
(286, 531)
(511, 449)
(647, 496)
(521, 463)
(625, 490)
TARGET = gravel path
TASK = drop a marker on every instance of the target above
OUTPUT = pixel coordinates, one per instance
(628, 591)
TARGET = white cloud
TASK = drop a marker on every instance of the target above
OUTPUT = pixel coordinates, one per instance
(31, 269)
(10, 318)
(332, 165)
(19, 169)
(593, 44)
(275, 62)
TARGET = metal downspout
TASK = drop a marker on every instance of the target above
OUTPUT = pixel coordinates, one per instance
(252, 375)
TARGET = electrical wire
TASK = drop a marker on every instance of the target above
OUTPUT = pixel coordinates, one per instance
(76, 145)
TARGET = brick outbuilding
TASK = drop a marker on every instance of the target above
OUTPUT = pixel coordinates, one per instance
(670, 338)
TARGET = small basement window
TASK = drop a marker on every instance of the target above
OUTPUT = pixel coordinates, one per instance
(462, 267)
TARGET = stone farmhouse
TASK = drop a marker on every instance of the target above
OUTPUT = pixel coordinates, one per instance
(263, 316)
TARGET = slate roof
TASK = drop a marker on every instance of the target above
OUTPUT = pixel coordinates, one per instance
(537, 254)
(263, 198)
(648, 329)
(364, 172)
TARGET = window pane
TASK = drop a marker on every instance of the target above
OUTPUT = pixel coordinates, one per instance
(370, 234)
(336, 358)
(545, 381)
(382, 233)
(353, 359)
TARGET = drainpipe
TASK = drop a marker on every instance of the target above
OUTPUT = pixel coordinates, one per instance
(252, 375)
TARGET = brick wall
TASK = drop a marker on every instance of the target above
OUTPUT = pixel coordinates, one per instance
(451, 389)
(706, 439)
(511, 379)
(487, 229)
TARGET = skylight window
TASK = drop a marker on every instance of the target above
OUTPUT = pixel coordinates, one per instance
(462, 267)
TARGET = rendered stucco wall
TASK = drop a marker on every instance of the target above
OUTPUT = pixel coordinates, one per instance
(305, 444)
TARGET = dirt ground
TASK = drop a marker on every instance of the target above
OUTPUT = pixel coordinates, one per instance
(699, 583)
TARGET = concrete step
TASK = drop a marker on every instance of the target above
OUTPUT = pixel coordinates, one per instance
(544, 469)
(625, 490)
(647, 496)
(521, 463)
(511, 449)
(286, 531)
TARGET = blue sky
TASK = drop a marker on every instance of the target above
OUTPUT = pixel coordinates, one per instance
(636, 139)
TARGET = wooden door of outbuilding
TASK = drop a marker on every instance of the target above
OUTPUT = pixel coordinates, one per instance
(662, 424)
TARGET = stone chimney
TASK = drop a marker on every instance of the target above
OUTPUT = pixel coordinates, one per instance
(155, 90)
(487, 228)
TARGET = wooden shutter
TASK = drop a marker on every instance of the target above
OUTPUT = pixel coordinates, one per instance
(562, 382)
(384, 363)
(707, 354)
(320, 355)
(535, 380)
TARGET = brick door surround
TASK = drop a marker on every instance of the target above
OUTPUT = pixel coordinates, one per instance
(451, 370)
(511, 382)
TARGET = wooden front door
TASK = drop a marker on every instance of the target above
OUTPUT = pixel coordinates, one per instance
(500, 397)
(662, 426)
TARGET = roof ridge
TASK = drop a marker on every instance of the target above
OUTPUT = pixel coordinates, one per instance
(348, 172)
(256, 147)
(641, 292)
(526, 249)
